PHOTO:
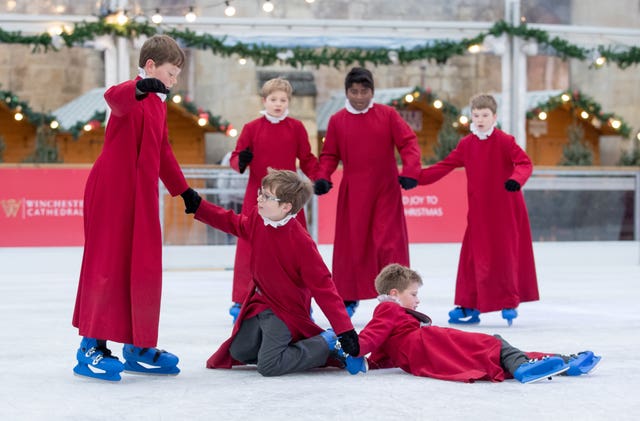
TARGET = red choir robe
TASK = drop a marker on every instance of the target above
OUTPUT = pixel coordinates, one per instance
(496, 268)
(287, 271)
(120, 283)
(275, 145)
(371, 230)
(396, 338)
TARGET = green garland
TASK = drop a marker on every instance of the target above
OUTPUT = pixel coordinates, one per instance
(14, 103)
(76, 130)
(426, 95)
(580, 101)
(262, 54)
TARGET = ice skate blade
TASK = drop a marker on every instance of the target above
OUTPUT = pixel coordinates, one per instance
(147, 370)
(83, 370)
(546, 376)
(471, 321)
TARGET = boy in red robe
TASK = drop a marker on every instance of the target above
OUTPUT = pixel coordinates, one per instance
(274, 140)
(120, 282)
(274, 330)
(400, 336)
(496, 269)
(371, 229)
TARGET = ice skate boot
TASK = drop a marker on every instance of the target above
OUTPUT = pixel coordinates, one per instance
(351, 307)
(234, 311)
(149, 361)
(535, 370)
(582, 363)
(353, 365)
(464, 316)
(509, 314)
(95, 360)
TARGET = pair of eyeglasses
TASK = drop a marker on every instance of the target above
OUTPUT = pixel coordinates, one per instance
(266, 196)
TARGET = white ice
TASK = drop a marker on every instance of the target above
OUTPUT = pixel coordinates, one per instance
(590, 299)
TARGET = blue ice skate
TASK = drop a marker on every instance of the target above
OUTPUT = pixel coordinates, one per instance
(353, 365)
(95, 360)
(509, 314)
(234, 311)
(149, 361)
(535, 370)
(582, 363)
(351, 307)
(464, 316)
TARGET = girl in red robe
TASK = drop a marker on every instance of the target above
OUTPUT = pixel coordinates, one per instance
(400, 336)
(274, 140)
(120, 285)
(496, 269)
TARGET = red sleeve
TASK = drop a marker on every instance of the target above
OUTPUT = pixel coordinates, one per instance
(407, 144)
(330, 156)
(308, 161)
(170, 172)
(245, 140)
(121, 98)
(222, 219)
(522, 166)
(317, 278)
(435, 172)
(376, 332)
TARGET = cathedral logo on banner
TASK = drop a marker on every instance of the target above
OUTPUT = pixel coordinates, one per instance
(11, 207)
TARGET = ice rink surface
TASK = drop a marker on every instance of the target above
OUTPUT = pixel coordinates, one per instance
(590, 299)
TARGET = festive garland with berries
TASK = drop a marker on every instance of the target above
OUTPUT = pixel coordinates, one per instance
(262, 55)
(581, 102)
(99, 118)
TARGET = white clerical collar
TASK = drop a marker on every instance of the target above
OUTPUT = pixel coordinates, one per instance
(143, 75)
(384, 297)
(279, 223)
(481, 136)
(274, 119)
(352, 110)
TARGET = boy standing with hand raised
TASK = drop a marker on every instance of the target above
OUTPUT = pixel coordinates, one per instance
(120, 284)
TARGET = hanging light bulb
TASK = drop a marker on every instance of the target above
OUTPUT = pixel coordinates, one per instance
(54, 124)
(191, 15)
(157, 17)
(229, 10)
(267, 6)
(122, 18)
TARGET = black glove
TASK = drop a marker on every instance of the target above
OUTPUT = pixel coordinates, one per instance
(244, 157)
(349, 342)
(322, 186)
(512, 185)
(408, 183)
(191, 200)
(151, 84)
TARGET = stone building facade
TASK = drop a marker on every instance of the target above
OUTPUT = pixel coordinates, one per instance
(225, 87)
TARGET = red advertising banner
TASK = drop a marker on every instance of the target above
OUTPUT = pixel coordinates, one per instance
(435, 214)
(41, 206)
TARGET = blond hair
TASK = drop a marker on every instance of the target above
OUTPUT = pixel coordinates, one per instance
(276, 84)
(289, 187)
(161, 49)
(481, 101)
(395, 276)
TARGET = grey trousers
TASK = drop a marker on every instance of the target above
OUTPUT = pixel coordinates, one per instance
(265, 340)
(511, 357)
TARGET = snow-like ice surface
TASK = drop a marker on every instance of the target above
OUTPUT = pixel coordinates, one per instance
(590, 299)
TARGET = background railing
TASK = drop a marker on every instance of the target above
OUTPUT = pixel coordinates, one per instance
(564, 204)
